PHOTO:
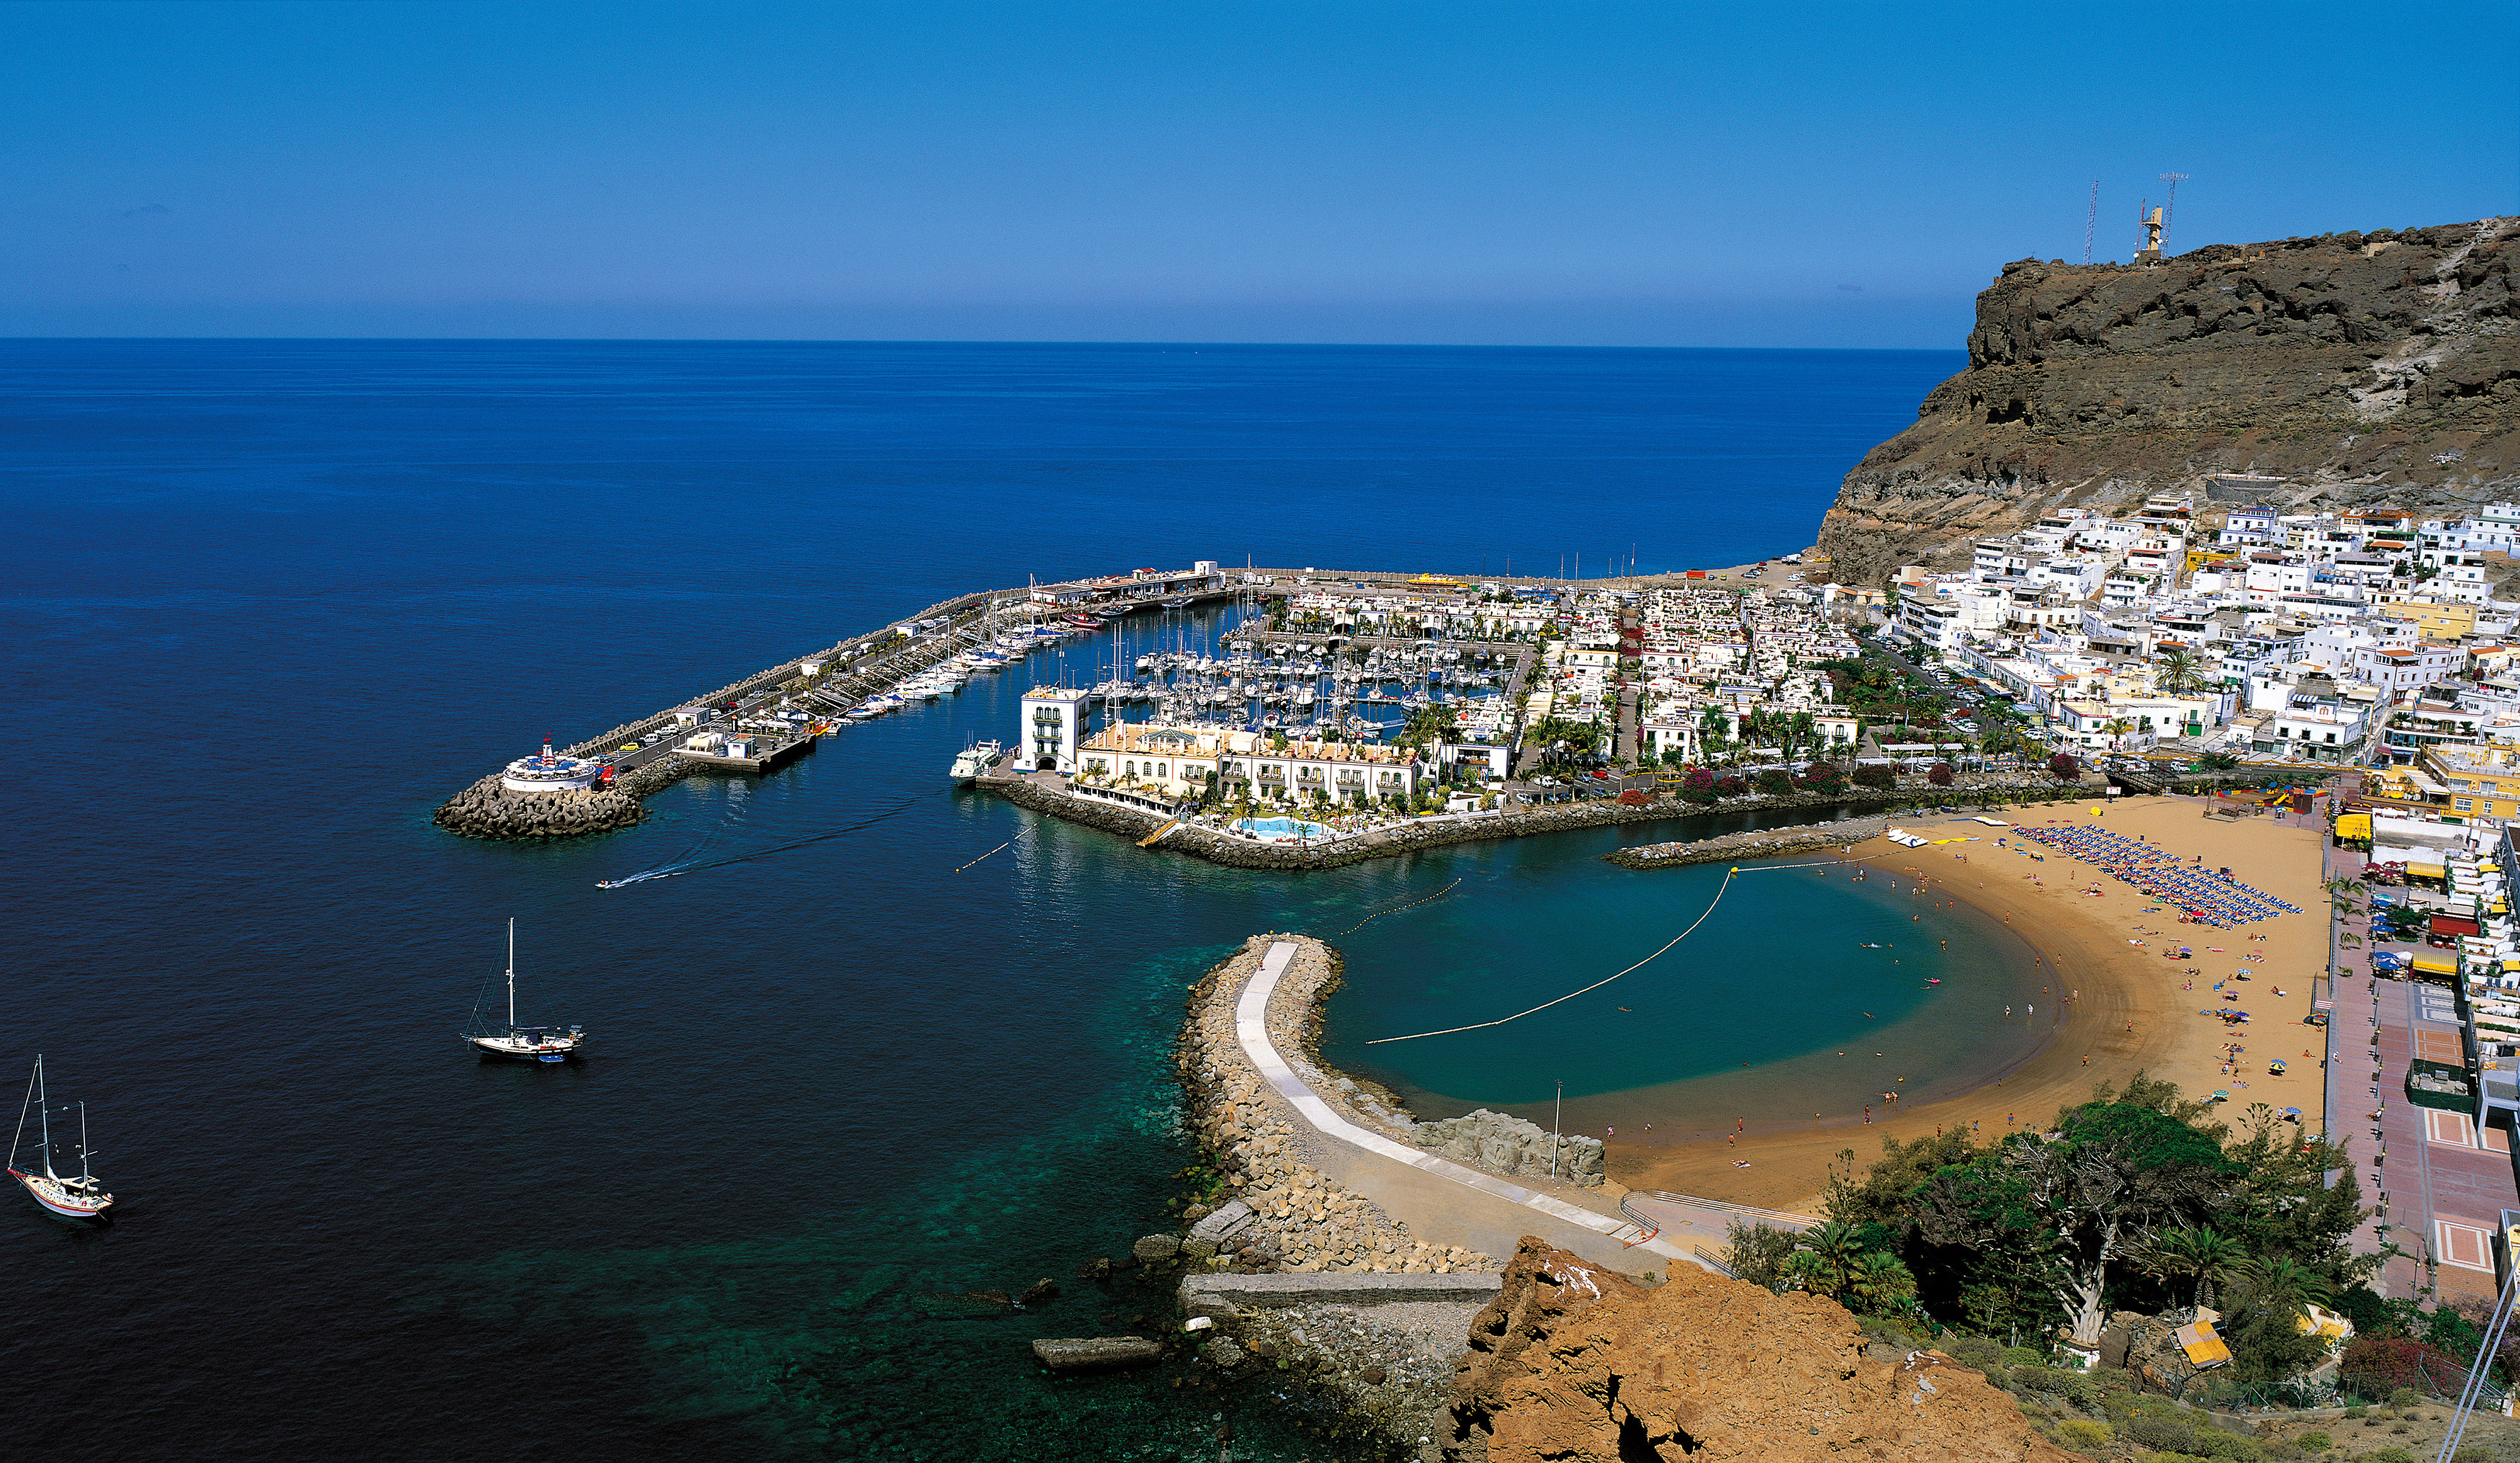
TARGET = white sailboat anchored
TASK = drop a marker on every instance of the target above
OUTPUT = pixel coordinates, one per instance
(525, 1044)
(80, 1198)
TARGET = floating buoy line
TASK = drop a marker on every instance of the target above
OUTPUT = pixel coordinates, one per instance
(1412, 903)
(1728, 875)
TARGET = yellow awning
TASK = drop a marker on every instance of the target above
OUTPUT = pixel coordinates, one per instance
(2428, 871)
(2202, 1346)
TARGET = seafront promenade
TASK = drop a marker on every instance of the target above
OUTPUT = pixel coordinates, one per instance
(2438, 1184)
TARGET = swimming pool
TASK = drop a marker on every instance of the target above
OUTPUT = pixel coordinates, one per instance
(1281, 827)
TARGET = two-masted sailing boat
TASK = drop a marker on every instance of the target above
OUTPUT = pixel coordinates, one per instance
(525, 1044)
(80, 1198)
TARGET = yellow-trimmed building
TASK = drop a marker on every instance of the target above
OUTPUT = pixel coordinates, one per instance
(1177, 762)
(2433, 620)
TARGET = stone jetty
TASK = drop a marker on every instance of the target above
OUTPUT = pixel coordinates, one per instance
(1299, 1220)
(488, 810)
(1765, 843)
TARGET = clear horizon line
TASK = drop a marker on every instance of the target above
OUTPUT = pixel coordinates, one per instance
(984, 340)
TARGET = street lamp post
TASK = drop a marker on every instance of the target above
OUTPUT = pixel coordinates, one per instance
(1554, 1123)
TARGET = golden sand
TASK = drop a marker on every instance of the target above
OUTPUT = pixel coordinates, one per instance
(2132, 1013)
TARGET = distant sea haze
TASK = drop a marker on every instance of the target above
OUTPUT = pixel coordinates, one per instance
(280, 599)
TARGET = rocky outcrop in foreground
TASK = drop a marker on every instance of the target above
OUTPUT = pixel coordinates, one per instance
(2356, 366)
(1575, 1364)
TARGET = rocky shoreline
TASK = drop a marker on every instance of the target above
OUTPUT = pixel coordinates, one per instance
(1300, 1220)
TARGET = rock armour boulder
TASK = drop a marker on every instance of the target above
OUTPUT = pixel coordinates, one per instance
(1514, 1147)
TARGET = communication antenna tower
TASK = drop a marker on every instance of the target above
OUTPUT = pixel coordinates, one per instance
(2091, 220)
(2170, 205)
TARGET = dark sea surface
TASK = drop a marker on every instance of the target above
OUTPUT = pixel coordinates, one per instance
(267, 603)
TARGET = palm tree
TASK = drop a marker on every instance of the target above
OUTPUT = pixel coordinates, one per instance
(1881, 1283)
(2178, 670)
(2203, 1254)
(2284, 1285)
(1826, 1259)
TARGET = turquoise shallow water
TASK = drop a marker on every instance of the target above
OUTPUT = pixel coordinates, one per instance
(1777, 980)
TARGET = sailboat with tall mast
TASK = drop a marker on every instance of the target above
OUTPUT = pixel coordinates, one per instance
(524, 1043)
(80, 1198)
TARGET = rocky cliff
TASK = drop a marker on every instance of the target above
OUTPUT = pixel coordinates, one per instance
(1574, 1364)
(2355, 367)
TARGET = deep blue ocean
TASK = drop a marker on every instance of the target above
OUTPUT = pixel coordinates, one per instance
(267, 603)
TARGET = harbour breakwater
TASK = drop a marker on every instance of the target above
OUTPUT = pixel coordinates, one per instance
(1293, 1218)
(1357, 1322)
(489, 810)
(833, 680)
(1765, 843)
(1809, 838)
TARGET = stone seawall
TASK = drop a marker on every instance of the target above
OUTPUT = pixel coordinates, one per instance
(1351, 1322)
(1241, 852)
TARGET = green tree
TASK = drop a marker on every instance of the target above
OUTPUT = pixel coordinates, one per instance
(1757, 1253)
(1880, 1284)
(1824, 1259)
(2264, 1327)
(2081, 1203)
(2203, 1256)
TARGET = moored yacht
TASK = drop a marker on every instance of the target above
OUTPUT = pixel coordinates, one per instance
(975, 760)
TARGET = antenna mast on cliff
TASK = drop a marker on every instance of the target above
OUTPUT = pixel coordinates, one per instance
(2170, 205)
(2091, 220)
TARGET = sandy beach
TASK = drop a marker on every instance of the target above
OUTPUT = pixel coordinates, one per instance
(2125, 1007)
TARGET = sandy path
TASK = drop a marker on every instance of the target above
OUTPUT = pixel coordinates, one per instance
(2133, 1013)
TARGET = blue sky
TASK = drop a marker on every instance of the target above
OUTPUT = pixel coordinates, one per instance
(1536, 173)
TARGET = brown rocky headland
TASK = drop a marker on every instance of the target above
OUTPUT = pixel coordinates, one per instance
(2354, 366)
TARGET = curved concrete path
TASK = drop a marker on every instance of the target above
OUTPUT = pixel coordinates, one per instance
(1592, 1228)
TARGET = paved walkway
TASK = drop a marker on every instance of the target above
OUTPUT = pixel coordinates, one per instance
(2436, 1183)
(1703, 1226)
(1429, 1194)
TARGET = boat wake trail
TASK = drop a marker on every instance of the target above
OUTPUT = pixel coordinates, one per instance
(689, 864)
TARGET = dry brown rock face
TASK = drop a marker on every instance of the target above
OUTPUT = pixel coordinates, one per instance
(1575, 1364)
(2360, 368)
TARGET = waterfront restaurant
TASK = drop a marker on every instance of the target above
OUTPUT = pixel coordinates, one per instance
(1177, 762)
